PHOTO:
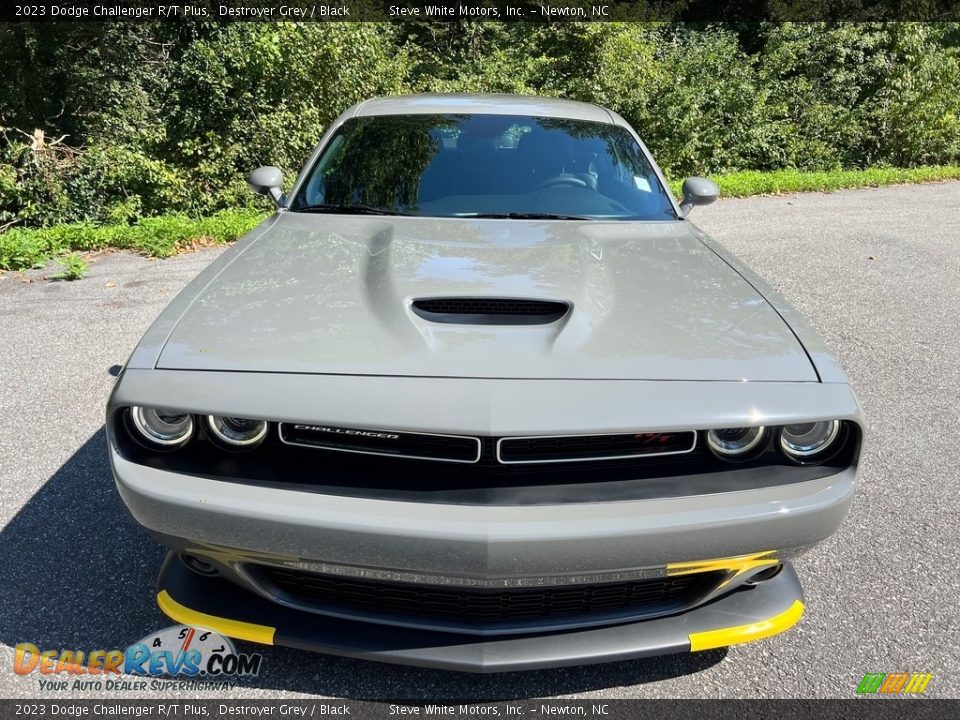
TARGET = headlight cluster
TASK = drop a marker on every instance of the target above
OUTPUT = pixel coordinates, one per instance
(808, 440)
(800, 443)
(164, 429)
(736, 442)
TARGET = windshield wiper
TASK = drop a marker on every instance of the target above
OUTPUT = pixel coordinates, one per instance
(348, 209)
(525, 216)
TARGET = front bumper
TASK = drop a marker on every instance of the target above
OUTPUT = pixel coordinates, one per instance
(235, 523)
(746, 614)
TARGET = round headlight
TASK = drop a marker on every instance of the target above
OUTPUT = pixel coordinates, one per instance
(236, 432)
(803, 442)
(163, 428)
(736, 443)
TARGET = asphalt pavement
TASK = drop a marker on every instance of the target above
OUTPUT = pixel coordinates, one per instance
(876, 272)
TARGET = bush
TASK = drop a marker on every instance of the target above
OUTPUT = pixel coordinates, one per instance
(704, 110)
(231, 111)
(917, 116)
(855, 95)
(125, 121)
(45, 181)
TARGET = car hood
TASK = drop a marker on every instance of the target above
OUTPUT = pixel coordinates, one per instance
(332, 294)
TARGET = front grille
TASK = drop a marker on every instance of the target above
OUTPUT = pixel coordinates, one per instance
(593, 447)
(486, 606)
(491, 311)
(489, 451)
(419, 446)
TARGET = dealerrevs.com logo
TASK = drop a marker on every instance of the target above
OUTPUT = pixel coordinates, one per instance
(180, 651)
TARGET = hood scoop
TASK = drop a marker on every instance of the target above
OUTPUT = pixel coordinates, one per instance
(490, 310)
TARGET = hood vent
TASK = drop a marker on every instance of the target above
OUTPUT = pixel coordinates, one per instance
(490, 311)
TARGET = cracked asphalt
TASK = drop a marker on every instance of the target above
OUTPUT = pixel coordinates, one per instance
(875, 271)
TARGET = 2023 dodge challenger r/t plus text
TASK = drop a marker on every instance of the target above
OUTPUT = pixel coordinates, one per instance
(479, 396)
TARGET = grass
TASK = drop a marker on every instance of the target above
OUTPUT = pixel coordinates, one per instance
(776, 182)
(24, 248)
(74, 267)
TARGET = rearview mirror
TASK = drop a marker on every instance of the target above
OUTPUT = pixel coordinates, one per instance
(268, 180)
(697, 191)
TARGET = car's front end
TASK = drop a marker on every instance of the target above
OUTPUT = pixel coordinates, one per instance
(481, 553)
(483, 444)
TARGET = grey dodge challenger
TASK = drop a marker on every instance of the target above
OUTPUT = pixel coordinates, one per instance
(479, 396)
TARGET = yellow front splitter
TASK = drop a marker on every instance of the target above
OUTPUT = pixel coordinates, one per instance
(225, 626)
(766, 609)
(723, 637)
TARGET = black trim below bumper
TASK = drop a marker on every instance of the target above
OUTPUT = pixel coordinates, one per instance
(745, 614)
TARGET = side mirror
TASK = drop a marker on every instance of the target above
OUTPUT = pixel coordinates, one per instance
(268, 180)
(697, 191)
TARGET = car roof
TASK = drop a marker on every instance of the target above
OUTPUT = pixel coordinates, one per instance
(483, 104)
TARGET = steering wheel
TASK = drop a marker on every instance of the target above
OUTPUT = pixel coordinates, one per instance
(564, 180)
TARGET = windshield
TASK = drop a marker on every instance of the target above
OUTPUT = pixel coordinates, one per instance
(484, 166)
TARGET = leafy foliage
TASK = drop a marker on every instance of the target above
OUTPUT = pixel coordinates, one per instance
(111, 124)
(74, 267)
(158, 236)
(776, 182)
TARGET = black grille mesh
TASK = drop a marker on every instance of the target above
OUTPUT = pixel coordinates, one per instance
(486, 606)
(586, 447)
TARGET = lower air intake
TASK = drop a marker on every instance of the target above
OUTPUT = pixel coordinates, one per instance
(469, 606)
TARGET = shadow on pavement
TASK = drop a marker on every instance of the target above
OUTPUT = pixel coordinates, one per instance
(78, 572)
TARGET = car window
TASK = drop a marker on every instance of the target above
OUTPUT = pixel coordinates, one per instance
(485, 165)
